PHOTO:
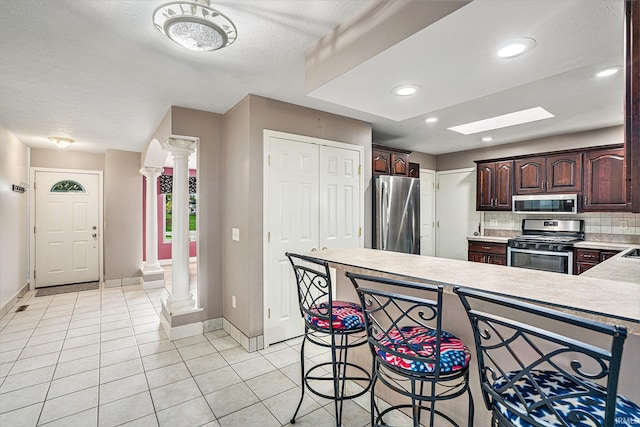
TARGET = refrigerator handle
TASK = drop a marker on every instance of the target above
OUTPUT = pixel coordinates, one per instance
(384, 210)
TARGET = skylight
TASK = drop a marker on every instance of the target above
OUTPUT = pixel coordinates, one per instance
(503, 121)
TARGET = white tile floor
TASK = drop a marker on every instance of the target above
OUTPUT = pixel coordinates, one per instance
(99, 358)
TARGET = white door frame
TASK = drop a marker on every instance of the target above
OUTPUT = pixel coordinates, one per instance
(266, 199)
(432, 208)
(438, 194)
(32, 219)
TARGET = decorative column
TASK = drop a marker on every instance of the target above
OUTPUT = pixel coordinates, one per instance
(181, 300)
(152, 273)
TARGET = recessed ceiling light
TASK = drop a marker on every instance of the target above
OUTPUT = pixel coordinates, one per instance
(516, 47)
(503, 121)
(487, 139)
(431, 119)
(406, 90)
(608, 72)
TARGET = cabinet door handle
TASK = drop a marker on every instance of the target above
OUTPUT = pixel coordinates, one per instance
(486, 247)
(588, 256)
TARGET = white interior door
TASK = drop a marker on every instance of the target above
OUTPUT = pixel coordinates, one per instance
(456, 215)
(427, 212)
(292, 225)
(66, 228)
(339, 198)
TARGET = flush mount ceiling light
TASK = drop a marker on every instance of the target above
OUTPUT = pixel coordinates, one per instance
(406, 90)
(195, 25)
(608, 72)
(487, 139)
(431, 119)
(516, 47)
(61, 142)
(503, 121)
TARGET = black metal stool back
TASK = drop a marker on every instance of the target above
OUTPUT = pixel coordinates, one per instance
(412, 355)
(536, 376)
(336, 325)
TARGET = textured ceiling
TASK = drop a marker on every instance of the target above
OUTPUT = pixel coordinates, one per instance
(98, 72)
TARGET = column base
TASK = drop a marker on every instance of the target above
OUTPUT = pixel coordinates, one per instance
(173, 309)
(152, 278)
(182, 331)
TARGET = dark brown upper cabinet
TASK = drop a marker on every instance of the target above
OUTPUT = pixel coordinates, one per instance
(494, 186)
(605, 179)
(381, 162)
(386, 161)
(399, 164)
(561, 173)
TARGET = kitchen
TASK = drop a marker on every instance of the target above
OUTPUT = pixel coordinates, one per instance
(231, 211)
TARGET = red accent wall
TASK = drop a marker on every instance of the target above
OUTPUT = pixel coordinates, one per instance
(164, 249)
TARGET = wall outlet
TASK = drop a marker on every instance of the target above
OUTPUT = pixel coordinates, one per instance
(233, 301)
(235, 234)
(624, 224)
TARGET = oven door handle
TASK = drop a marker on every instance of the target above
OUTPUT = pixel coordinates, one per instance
(538, 252)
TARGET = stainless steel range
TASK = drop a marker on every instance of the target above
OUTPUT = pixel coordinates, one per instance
(546, 244)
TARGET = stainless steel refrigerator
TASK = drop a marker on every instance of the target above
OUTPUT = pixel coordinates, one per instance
(396, 214)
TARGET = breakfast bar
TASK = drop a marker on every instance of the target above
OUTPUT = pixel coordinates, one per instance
(593, 296)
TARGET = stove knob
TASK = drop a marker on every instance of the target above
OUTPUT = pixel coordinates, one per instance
(537, 245)
(560, 247)
(523, 245)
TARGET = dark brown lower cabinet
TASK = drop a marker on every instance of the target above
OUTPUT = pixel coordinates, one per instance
(588, 258)
(488, 253)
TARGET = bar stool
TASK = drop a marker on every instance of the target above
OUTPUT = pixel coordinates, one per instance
(535, 375)
(336, 325)
(412, 355)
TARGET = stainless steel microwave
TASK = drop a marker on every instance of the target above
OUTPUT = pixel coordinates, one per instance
(546, 203)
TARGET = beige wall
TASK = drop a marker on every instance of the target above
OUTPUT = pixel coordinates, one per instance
(464, 159)
(208, 127)
(122, 214)
(426, 161)
(243, 162)
(14, 169)
(236, 214)
(66, 159)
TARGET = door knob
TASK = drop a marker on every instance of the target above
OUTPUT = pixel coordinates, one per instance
(94, 227)
(94, 235)
(324, 248)
(314, 249)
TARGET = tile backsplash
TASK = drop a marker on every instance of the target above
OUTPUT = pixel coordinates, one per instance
(616, 227)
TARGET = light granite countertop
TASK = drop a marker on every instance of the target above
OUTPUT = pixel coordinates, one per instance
(589, 244)
(593, 296)
(489, 239)
(617, 268)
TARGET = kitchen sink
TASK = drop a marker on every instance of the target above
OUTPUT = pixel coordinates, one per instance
(634, 254)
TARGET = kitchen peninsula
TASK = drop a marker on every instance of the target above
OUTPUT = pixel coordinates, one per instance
(613, 302)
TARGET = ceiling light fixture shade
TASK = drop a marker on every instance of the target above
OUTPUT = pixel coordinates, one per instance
(516, 47)
(61, 143)
(431, 119)
(195, 25)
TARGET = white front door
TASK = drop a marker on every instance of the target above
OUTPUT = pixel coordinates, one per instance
(456, 215)
(66, 228)
(427, 212)
(292, 224)
(339, 198)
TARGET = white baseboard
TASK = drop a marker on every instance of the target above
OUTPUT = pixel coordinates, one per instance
(13, 300)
